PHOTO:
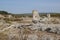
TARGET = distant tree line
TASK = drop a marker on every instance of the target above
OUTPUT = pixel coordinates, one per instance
(4, 12)
(52, 14)
(29, 14)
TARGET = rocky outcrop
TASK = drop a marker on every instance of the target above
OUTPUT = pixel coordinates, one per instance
(38, 29)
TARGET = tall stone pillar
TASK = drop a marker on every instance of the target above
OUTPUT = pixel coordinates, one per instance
(36, 17)
(35, 20)
(48, 15)
(49, 18)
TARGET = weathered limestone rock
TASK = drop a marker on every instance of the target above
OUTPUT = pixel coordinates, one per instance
(32, 37)
(36, 17)
(48, 15)
(10, 16)
(1, 16)
(36, 20)
(14, 33)
(34, 31)
(47, 37)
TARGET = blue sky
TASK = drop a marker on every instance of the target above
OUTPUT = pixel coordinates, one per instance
(26, 6)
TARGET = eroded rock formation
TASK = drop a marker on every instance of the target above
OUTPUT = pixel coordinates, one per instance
(39, 29)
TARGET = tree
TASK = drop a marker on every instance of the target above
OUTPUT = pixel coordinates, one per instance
(3, 12)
